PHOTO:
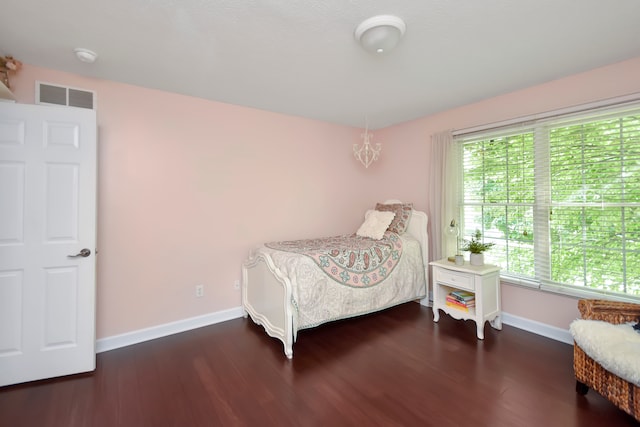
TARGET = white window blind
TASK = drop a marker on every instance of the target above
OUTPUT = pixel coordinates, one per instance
(560, 198)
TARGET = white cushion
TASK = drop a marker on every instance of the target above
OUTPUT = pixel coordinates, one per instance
(375, 224)
(615, 347)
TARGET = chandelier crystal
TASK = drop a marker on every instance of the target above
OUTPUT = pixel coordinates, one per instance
(367, 153)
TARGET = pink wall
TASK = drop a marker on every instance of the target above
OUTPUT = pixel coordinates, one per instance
(607, 82)
(188, 186)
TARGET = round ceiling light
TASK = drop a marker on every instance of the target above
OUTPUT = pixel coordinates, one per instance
(85, 55)
(381, 33)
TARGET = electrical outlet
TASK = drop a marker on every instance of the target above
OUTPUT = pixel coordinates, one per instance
(236, 285)
(199, 291)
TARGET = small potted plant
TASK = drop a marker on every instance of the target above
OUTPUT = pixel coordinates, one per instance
(477, 248)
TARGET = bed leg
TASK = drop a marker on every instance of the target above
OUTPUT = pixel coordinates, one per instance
(288, 351)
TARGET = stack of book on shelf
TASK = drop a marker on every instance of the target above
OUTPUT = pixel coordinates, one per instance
(461, 300)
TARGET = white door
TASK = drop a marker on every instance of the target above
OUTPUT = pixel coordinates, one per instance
(47, 217)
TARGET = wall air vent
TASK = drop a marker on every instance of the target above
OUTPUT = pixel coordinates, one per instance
(51, 94)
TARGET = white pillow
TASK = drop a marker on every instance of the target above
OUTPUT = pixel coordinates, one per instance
(375, 224)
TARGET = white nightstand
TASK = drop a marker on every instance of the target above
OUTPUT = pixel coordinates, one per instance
(483, 281)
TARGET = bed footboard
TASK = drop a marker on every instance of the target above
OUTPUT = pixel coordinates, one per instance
(266, 297)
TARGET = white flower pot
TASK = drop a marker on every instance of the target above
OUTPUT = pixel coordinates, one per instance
(476, 259)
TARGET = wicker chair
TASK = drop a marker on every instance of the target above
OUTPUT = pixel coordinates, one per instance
(590, 374)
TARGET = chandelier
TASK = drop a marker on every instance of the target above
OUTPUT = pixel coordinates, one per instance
(367, 153)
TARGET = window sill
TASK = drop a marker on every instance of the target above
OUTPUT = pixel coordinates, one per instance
(566, 291)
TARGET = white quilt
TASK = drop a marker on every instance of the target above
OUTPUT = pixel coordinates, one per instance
(319, 299)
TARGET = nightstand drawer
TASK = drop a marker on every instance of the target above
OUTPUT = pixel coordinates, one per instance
(459, 280)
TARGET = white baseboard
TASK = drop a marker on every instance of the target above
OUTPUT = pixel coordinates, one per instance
(553, 332)
(141, 335)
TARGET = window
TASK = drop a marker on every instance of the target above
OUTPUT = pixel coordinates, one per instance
(560, 198)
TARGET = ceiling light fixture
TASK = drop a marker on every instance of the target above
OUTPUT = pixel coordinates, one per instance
(380, 34)
(85, 55)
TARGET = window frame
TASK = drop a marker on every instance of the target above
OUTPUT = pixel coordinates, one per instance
(542, 202)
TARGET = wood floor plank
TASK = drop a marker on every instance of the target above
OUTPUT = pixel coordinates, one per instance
(393, 368)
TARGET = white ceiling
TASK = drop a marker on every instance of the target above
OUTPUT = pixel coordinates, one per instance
(299, 57)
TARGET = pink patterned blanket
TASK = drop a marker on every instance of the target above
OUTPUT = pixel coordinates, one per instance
(350, 259)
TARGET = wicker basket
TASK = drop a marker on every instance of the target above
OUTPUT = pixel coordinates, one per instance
(590, 374)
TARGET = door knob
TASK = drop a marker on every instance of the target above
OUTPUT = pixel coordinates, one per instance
(83, 253)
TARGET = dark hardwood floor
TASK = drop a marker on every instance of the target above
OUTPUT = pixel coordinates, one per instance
(393, 368)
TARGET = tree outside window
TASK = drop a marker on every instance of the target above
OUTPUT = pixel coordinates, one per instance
(560, 200)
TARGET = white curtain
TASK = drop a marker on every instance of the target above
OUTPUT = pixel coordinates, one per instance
(443, 194)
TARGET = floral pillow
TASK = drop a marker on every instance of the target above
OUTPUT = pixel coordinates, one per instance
(375, 224)
(403, 215)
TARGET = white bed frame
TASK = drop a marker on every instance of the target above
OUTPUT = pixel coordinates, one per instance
(266, 291)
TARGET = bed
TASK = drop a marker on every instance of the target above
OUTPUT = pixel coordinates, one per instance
(293, 285)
